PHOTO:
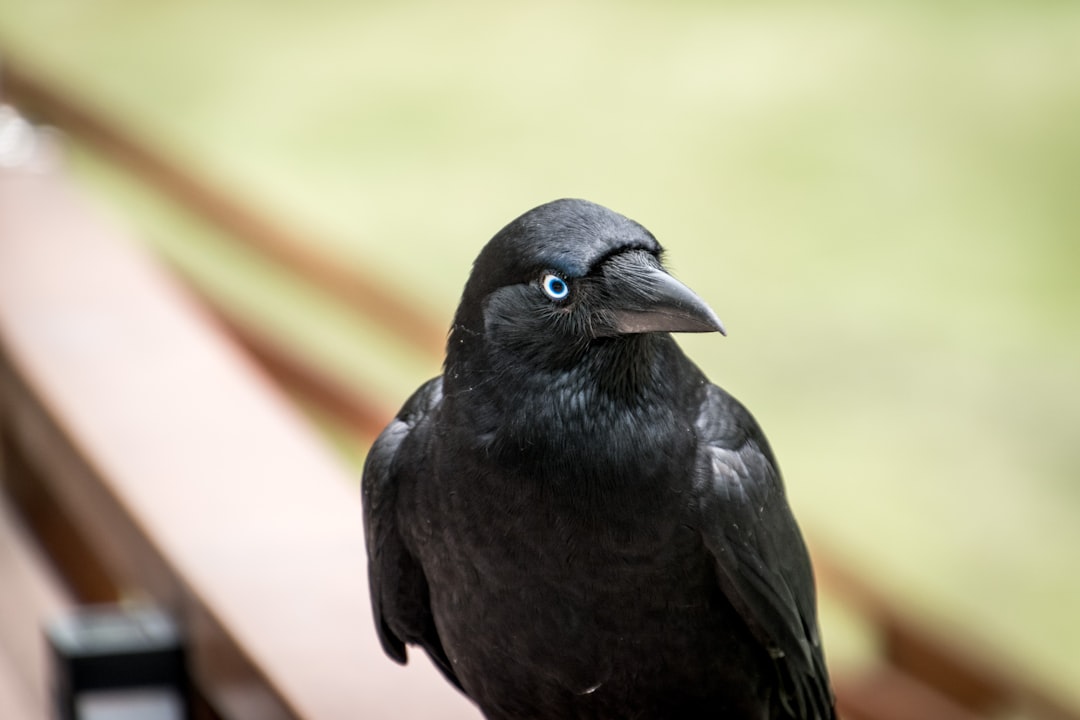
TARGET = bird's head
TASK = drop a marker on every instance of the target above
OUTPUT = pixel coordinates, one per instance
(565, 276)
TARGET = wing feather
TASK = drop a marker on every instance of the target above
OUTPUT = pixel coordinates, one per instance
(398, 586)
(762, 562)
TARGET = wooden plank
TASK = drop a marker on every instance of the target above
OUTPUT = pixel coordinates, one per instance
(978, 680)
(352, 285)
(189, 472)
(356, 412)
(84, 576)
(15, 701)
(940, 660)
(31, 596)
(885, 693)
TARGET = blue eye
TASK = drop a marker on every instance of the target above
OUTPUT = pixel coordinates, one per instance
(555, 287)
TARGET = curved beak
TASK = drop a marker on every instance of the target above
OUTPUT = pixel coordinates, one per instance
(657, 302)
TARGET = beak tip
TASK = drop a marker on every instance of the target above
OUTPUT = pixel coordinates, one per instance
(714, 322)
(670, 306)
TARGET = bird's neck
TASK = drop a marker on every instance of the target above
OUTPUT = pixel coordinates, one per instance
(620, 402)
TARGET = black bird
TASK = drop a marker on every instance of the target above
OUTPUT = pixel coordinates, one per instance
(571, 520)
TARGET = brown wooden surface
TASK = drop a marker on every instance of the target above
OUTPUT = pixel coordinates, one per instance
(15, 702)
(357, 413)
(929, 664)
(226, 210)
(188, 472)
(885, 693)
(81, 571)
(30, 596)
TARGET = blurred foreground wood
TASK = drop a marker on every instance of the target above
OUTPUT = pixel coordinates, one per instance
(155, 460)
(31, 595)
(152, 457)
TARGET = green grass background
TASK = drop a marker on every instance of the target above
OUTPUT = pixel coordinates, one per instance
(881, 200)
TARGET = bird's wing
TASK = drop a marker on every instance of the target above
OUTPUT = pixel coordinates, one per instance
(763, 565)
(399, 589)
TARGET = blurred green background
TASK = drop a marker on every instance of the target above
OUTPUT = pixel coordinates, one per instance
(881, 200)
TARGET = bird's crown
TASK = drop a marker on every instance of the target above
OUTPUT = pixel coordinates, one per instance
(569, 235)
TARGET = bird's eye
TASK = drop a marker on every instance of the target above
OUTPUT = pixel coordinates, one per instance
(555, 287)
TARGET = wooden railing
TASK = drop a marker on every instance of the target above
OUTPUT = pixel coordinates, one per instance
(155, 460)
(31, 596)
(152, 457)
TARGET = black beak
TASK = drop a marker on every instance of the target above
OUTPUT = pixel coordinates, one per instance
(647, 299)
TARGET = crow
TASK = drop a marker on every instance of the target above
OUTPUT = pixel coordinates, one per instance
(571, 520)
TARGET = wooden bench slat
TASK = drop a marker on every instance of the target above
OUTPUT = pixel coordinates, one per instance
(31, 596)
(15, 701)
(189, 469)
(885, 693)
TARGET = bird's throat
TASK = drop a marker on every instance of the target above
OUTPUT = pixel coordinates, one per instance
(615, 408)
